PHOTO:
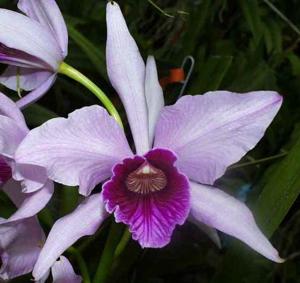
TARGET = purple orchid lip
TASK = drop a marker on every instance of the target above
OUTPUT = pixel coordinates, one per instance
(146, 179)
(150, 195)
(5, 171)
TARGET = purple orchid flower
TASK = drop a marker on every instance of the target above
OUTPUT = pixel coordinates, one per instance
(21, 241)
(20, 245)
(33, 45)
(20, 179)
(21, 236)
(180, 151)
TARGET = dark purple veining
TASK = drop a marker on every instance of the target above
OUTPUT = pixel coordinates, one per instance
(5, 171)
(16, 57)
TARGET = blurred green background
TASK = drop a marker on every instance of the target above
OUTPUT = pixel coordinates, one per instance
(240, 46)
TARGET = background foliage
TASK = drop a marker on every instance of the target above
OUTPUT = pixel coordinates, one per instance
(239, 46)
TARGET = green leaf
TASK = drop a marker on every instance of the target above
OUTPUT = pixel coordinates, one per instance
(212, 73)
(197, 20)
(36, 115)
(69, 196)
(276, 32)
(273, 37)
(280, 187)
(295, 63)
(268, 39)
(251, 76)
(251, 12)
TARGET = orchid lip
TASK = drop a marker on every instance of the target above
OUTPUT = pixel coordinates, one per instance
(150, 195)
(146, 179)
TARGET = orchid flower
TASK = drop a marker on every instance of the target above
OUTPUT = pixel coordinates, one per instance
(18, 180)
(180, 151)
(28, 196)
(21, 236)
(20, 245)
(21, 241)
(33, 45)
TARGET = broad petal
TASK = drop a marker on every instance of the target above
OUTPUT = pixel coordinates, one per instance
(44, 278)
(151, 217)
(11, 136)
(37, 93)
(28, 204)
(126, 71)
(92, 176)
(20, 245)
(212, 131)
(23, 78)
(73, 149)
(9, 108)
(227, 214)
(21, 33)
(83, 221)
(63, 272)
(32, 177)
(48, 14)
(154, 96)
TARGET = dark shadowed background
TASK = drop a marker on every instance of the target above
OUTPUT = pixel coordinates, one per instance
(240, 46)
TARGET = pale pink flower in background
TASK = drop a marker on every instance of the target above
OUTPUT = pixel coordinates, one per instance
(33, 46)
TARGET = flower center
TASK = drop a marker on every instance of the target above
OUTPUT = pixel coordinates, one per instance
(5, 171)
(146, 179)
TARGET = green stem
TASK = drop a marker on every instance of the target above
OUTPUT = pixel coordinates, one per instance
(122, 244)
(160, 9)
(19, 90)
(282, 16)
(108, 253)
(81, 263)
(258, 161)
(82, 79)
